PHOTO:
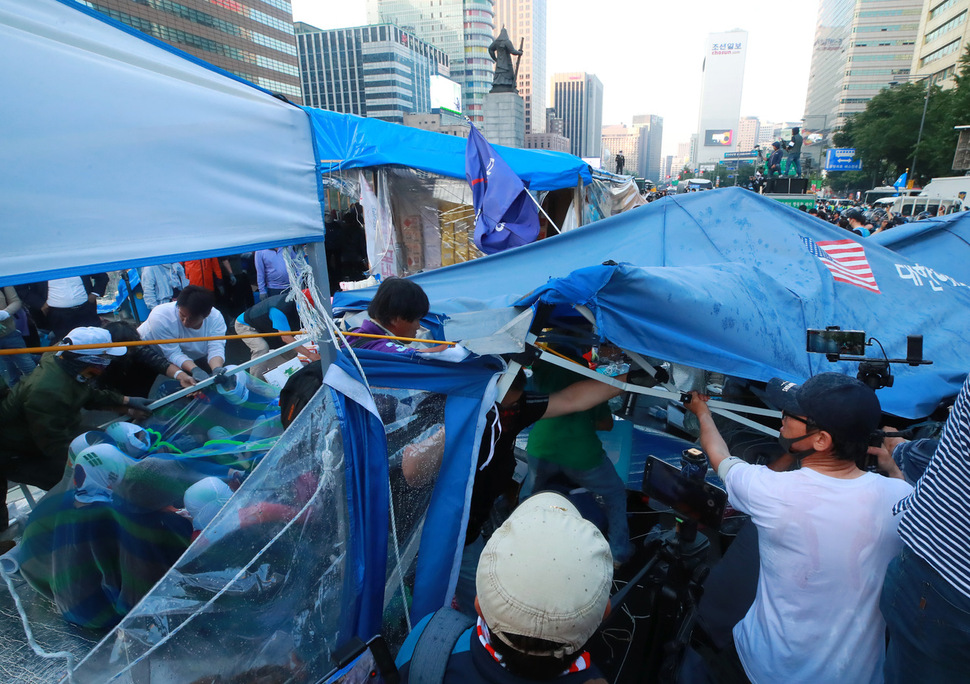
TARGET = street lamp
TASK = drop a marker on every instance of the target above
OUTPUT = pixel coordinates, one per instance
(919, 137)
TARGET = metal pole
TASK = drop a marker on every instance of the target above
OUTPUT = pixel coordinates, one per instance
(919, 137)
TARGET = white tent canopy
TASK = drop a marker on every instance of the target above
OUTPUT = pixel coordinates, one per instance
(117, 151)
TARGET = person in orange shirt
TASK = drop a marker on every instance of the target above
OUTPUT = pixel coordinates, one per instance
(208, 274)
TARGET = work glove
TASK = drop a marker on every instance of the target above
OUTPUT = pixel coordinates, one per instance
(139, 404)
(4, 315)
(219, 377)
(199, 375)
(232, 279)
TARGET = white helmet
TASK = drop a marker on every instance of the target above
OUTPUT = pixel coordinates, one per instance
(97, 470)
(130, 438)
(85, 440)
(204, 499)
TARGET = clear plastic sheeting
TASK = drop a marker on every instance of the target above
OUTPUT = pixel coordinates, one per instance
(414, 220)
(132, 500)
(259, 590)
(608, 197)
(414, 422)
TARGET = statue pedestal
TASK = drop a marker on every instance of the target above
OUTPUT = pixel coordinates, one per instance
(504, 119)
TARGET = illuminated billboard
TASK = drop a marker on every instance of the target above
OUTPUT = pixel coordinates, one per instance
(445, 94)
(718, 137)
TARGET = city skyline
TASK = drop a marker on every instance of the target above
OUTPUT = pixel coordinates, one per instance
(662, 73)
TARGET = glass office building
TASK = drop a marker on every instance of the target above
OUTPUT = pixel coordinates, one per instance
(253, 39)
(381, 71)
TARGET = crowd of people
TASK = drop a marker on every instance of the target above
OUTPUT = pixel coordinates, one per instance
(42, 397)
(827, 531)
(845, 556)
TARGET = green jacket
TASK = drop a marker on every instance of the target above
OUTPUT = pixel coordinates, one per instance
(42, 413)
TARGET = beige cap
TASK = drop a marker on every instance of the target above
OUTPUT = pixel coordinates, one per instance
(546, 573)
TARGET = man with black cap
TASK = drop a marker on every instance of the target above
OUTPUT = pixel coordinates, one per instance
(826, 533)
(543, 586)
(857, 221)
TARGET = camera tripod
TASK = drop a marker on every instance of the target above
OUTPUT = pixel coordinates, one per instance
(668, 588)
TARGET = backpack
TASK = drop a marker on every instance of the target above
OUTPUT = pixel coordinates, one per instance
(430, 658)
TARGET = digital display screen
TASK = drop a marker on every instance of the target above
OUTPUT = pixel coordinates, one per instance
(694, 499)
(445, 94)
(718, 138)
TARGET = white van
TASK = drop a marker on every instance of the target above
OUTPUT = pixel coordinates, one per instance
(913, 206)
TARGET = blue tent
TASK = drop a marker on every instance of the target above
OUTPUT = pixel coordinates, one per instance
(729, 281)
(343, 141)
(941, 245)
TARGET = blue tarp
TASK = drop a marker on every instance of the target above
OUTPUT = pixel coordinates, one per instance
(345, 141)
(461, 414)
(940, 244)
(725, 280)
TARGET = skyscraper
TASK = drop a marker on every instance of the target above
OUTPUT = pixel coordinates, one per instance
(462, 29)
(378, 71)
(860, 48)
(721, 83)
(651, 132)
(253, 39)
(526, 22)
(667, 170)
(943, 35)
(618, 138)
(749, 128)
(578, 99)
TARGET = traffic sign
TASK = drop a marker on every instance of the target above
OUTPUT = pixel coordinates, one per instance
(842, 159)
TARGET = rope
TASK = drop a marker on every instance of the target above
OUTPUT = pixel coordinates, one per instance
(317, 321)
(59, 655)
(143, 343)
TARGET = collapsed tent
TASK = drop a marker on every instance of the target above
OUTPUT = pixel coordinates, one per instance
(938, 246)
(727, 281)
(417, 206)
(157, 157)
(327, 539)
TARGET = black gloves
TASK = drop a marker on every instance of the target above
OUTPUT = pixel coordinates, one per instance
(219, 377)
(199, 375)
(139, 404)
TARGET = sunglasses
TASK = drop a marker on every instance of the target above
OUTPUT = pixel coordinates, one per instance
(807, 422)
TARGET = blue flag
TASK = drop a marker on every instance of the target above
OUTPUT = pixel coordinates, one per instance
(901, 181)
(505, 215)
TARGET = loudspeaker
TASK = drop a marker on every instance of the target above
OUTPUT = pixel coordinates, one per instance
(797, 186)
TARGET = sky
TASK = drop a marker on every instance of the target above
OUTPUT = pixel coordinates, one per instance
(648, 53)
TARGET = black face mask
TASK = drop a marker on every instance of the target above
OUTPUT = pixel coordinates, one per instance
(788, 442)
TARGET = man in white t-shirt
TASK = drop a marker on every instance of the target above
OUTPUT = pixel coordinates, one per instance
(191, 315)
(826, 533)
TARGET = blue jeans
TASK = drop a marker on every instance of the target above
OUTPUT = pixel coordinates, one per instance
(601, 480)
(795, 162)
(14, 366)
(465, 588)
(928, 621)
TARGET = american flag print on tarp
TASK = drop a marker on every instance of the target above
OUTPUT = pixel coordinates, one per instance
(845, 260)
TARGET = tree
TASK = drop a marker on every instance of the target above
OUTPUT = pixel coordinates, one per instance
(886, 132)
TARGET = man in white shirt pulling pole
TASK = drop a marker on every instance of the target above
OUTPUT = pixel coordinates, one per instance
(826, 533)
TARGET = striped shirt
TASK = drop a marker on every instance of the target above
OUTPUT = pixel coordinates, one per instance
(936, 525)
